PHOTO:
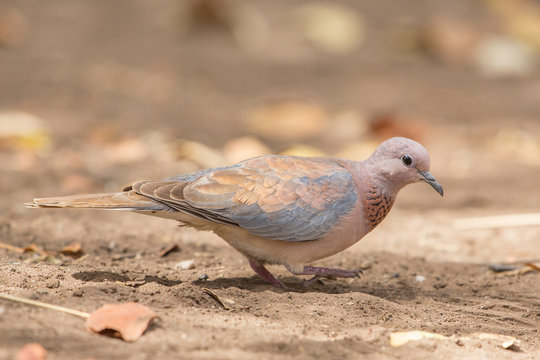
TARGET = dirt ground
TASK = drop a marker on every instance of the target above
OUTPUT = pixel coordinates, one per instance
(117, 84)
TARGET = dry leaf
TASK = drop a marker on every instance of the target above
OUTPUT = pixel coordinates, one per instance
(73, 250)
(128, 321)
(35, 248)
(32, 351)
(401, 338)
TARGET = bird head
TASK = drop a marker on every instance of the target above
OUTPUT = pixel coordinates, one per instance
(403, 161)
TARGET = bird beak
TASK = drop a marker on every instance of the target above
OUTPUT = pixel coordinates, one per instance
(427, 177)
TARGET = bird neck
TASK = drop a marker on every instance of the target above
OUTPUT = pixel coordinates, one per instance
(379, 193)
(377, 205)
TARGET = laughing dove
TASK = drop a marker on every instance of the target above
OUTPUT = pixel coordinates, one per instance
(287, 210)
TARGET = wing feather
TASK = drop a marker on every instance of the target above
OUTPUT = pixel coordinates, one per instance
(276, 197)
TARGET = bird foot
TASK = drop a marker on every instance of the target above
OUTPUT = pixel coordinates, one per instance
(267, 275)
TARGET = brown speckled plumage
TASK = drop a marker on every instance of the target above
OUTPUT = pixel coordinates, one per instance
(378, 205)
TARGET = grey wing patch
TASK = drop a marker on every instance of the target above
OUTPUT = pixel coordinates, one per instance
(306, 218)
(289, 204)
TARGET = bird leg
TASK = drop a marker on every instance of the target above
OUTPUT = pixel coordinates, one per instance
(325, 272)
(266, 275)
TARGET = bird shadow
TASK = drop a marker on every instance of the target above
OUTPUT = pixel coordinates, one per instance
(389, 292)
(101, 276)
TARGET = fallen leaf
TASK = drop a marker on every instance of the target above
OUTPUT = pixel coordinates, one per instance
(127, 321)
(35, 248)
(401, 338)
(32, 351)
(73, 250)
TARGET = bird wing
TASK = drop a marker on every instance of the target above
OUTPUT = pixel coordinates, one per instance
(276, 197)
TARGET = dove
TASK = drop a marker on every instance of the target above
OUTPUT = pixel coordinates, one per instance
(286, 210)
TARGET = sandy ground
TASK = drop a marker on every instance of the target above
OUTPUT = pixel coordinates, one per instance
(421, 272)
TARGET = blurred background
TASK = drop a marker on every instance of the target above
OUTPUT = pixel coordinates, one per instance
(97, 94)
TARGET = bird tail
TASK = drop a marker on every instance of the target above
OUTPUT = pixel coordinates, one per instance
(126, 200)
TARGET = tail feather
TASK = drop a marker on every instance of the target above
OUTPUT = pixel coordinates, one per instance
(126, 200)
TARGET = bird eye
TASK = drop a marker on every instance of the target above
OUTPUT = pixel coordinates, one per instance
(407, 160)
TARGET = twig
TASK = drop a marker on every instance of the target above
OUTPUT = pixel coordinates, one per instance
(44, 305)
(222, 303)
(534, 266)
(169, 249)
(215, 297)
(500, 221)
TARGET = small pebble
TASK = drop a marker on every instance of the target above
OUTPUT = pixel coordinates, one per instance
(394, 275)
(420, 278)
(185, 265)
(52, 284)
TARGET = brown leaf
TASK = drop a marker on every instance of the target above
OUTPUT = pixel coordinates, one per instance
(73, 250)
(35, 248)
(127, 321)
(32, 351)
